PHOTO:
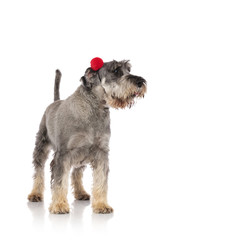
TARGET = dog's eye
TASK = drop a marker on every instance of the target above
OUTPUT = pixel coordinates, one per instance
(116, 70)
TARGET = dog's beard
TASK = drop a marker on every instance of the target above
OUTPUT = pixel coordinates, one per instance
(126, 96)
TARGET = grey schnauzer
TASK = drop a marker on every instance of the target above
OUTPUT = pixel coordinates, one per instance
(78, 130)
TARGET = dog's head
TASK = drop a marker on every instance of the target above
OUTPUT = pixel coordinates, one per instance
(121, 88)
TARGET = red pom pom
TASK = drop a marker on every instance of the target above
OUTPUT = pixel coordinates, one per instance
(96, 63)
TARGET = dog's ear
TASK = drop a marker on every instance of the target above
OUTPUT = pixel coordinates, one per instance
(90, 79)
(85, 83)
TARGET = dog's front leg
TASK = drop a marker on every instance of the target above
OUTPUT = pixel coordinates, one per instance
(60, 171)
(100, 177)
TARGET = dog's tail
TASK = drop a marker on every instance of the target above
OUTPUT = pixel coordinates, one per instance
(56, 85)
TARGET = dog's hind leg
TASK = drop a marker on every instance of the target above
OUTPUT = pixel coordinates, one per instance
(40, 155)
(78, 189)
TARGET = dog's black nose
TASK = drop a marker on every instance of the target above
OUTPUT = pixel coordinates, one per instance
(140, 81)
(140, 84)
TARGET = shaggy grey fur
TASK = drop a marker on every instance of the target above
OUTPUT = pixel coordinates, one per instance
(78, 130)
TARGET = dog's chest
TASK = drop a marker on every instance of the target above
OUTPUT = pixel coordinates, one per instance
(100, 119)
(94, 133)
(87, 145)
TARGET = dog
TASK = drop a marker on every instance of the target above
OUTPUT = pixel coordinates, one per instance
(78, 130)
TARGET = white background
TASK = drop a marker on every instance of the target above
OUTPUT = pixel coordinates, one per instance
(174, 160)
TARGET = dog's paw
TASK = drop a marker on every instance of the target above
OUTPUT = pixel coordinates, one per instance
(59, 208)
(35, 197)
(102, 208)
(84, 196)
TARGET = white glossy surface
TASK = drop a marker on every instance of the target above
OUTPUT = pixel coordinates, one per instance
(174, 160)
